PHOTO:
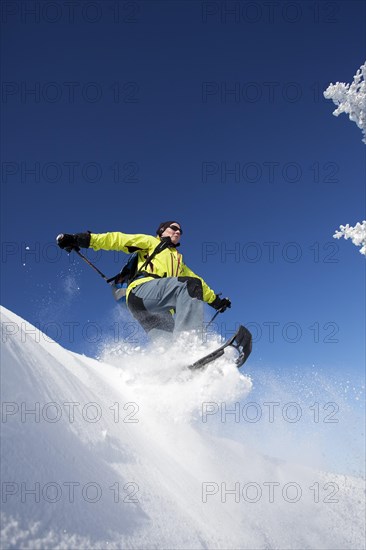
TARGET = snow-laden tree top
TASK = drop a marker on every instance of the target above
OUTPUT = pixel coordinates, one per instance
(357, 234)
(351, 99)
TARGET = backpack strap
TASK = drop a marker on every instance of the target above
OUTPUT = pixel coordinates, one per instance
(165, 242)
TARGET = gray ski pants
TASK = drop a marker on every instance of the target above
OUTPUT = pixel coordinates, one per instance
(151, 304)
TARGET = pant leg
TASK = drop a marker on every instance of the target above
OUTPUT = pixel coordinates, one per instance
(155, 324)
(156, 298)
(189, 307)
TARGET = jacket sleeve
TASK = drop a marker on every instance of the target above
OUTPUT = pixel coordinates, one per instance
(122, 241)
(208, 294)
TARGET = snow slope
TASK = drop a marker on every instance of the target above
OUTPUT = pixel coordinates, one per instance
(117, 454)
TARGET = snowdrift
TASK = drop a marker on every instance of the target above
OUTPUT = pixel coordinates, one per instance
(119, 454)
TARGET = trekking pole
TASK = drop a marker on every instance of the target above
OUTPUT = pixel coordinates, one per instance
(91, 264)
(216, 314)
(213, 318)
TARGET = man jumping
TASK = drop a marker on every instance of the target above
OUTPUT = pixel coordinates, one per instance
(162, 285)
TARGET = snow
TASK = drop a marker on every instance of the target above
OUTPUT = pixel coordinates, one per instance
(115, 453)
(357, 234)
(351, 98)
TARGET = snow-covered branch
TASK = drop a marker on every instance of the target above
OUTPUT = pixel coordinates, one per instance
(357, 234)
(351, 98)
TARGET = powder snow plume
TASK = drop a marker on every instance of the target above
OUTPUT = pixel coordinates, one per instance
(133, 451)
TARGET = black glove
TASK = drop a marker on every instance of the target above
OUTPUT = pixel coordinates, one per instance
(73, 242)
(221, 304)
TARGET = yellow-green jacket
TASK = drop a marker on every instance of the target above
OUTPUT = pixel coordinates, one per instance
(168, 263)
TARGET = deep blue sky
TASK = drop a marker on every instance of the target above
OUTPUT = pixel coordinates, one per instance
(174, 96)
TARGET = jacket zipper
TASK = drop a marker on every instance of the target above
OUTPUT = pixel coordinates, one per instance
(171, 260)
(178, 264)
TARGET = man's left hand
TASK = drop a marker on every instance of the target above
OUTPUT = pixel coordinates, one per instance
(221, 304)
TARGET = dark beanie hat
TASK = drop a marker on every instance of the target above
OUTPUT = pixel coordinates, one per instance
(162, 227)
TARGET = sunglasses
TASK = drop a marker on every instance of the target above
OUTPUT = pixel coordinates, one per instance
(176, 228)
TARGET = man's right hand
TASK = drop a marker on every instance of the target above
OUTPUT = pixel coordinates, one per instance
(73, 242)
